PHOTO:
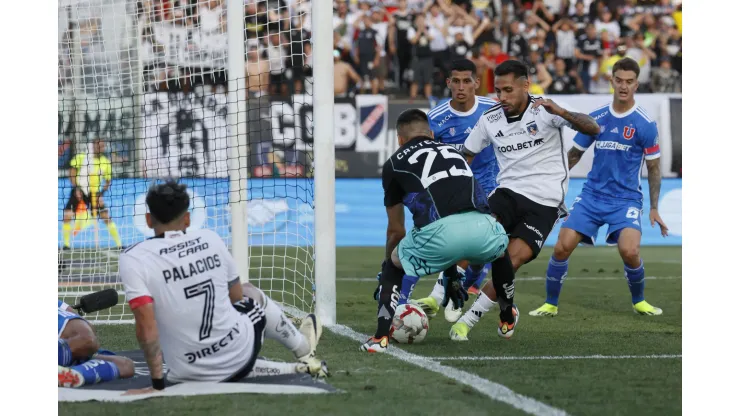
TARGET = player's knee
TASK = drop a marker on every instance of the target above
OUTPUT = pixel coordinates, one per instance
(562, 250)
(630, 254)
(518, 259)
(395, 259)
(126, 368)
(85, 346)
(253, 292)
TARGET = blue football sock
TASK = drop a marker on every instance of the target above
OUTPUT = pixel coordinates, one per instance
(407, 287)
(97, 371)
(636, 282)
(65, 353)
(476, 279)
(556, 273)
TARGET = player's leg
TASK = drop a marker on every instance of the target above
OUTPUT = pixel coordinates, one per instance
(430, 304)
(557, 270)
(77, 365)
(105, 216)
(391, 279)
(301, 342)
(634, 270)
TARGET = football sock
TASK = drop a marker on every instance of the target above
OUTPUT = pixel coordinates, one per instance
(281, 329)
(407, 288)
(113, 231)
(556, 273)
(271, 368)
(390, 281)
(438, 293)
(502, 277)
(475, 275)
(97, 371)
(65, 353)
(481, 306)
(67, 233)
(636, 282)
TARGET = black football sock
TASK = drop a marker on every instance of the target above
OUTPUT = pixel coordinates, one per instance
(390, 286)
(502, 276)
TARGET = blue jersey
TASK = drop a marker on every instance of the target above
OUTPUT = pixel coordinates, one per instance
(625, 141)
(64, 316)
(453, 127)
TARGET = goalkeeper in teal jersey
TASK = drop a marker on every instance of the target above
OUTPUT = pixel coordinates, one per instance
(81, 361)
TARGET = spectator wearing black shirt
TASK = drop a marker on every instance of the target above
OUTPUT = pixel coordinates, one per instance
(403, 20)
(367, 54)
(588, 52)
(423, 61)
(580, 19)
(562, 81)
(516, 45)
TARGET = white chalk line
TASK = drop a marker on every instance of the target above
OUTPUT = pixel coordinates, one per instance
(486, 387)
(559, 357)
(528, 278)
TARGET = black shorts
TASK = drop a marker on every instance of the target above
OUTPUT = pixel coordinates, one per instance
(523, 218)
(77, 195)
(256, 315)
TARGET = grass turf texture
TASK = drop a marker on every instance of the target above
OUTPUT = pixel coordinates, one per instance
(595, 318)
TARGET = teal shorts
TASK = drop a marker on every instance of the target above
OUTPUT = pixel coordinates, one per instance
(472, 236)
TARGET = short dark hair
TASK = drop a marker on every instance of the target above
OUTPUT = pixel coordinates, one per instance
(626, 64)
(512, 66)
(167, 201)
(461, 65)
(409, 119)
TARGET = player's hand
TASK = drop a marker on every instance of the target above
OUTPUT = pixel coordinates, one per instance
(549, 105)
(135, 392)
(454, 291)
(655, 217)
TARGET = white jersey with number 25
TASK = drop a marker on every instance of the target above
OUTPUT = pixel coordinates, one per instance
(187, 276)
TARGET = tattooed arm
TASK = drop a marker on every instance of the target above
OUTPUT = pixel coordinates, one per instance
(574, 156)
(580, 122)
(148, 336)
(654, 178)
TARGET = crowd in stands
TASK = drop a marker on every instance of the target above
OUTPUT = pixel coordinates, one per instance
(402, 47)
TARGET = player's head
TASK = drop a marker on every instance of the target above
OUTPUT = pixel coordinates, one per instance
(624, 79)
(98, 146)
(168, 205)
(512, 86)
(412, 123)
(463, 81)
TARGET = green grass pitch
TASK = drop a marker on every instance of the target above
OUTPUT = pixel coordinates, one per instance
(595, 318)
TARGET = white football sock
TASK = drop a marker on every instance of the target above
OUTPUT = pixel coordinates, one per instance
(271, 368)
(281, 329)
(438, 293)
(481, 306)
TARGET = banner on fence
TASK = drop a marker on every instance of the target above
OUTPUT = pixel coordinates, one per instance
(280, 212)
(372, 112)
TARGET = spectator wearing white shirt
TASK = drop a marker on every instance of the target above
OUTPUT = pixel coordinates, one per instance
(565, 36)
(276, 56)
(606, 23)
(381, 37)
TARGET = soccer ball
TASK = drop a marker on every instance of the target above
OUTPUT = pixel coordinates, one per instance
(410, 324)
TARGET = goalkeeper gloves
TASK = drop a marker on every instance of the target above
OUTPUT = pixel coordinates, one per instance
(376, 295)
(454, 290)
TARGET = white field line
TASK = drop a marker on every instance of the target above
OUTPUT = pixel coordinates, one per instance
(559, 357)
(528, 278)
(493, 390)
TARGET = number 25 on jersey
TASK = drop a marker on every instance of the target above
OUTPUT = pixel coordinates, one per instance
(428, 178)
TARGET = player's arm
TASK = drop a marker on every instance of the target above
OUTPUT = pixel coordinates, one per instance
(393, 201)
(142, 304)
(476, 141)
(652, 161)
(580, 122)
(580, 143)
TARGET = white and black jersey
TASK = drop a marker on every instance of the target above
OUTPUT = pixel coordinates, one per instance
(187, 277)
(530, 151)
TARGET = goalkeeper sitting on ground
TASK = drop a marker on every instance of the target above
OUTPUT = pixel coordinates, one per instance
(81, 361)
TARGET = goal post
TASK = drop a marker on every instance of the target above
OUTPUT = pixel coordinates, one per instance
(226, 96)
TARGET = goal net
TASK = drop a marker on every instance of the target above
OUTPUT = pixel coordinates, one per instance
(145, 94)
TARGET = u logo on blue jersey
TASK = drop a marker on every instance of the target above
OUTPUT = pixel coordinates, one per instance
(628, 133)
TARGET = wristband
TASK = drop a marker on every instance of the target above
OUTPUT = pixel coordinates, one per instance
(158, 383)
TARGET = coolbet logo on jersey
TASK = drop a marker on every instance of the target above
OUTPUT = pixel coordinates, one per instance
(521, 146)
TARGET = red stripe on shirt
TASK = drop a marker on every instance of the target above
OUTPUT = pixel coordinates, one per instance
(140, 301)
(651, 150)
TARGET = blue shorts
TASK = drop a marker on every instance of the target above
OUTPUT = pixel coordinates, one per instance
(590, 212)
